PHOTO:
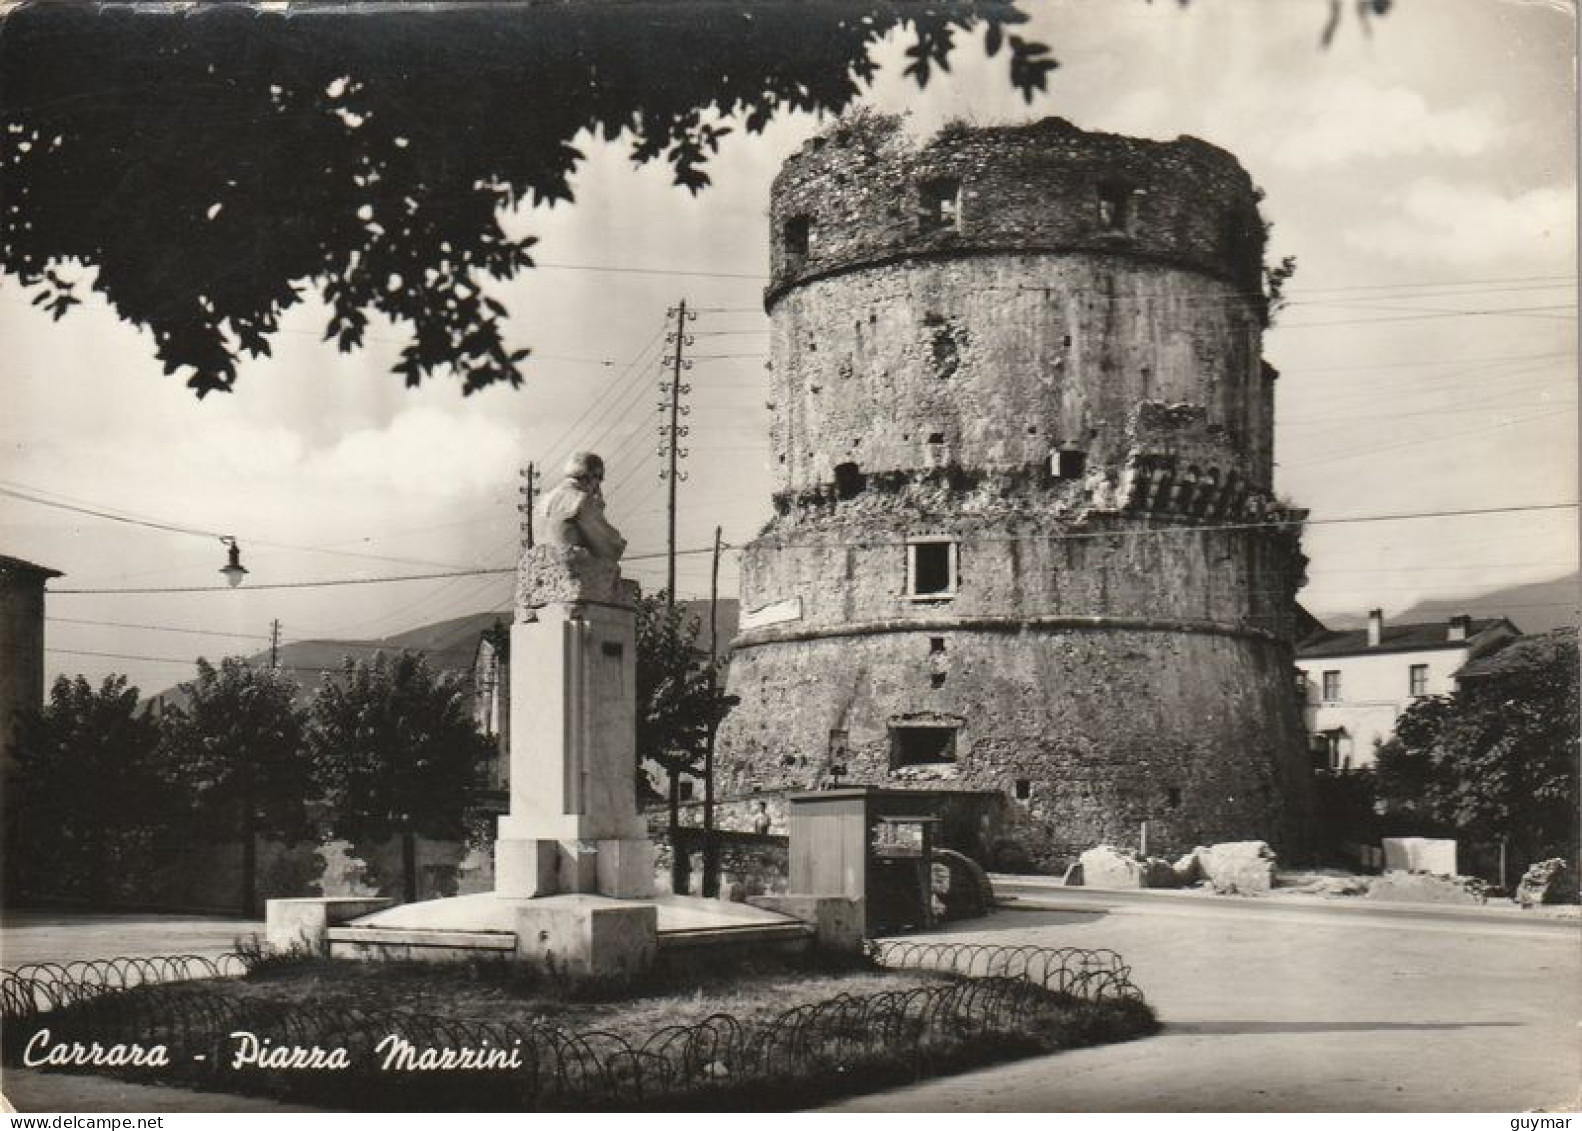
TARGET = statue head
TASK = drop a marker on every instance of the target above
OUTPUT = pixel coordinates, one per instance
(585, 467)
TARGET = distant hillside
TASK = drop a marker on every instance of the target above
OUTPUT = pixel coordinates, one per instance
(450, 646)
(1535, 607)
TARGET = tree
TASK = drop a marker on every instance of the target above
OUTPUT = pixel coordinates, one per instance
(215, 165)
(87, 798)
(679, 703)
(239, 751)
(397, 753)
(1497, 760)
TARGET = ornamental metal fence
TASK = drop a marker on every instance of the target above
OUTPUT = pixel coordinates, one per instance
(386, 1057)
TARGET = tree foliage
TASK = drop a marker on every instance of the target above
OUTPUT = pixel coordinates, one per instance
(678, 693)
(680, 704)
(1498, 759)
(216, 164)
(87, 796)
(237, 750)
(397, 754)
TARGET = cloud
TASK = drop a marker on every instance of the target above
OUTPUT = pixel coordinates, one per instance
(1465, 224)
(423, 451)
(1349, 119)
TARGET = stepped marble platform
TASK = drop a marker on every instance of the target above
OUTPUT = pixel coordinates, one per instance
(488, 926)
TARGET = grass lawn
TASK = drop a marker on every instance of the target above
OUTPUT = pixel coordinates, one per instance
(754, 991)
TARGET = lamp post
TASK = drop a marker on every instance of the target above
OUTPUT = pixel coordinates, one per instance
(233, 569)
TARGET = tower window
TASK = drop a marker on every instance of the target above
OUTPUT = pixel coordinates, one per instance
(1022, 790)
(849, 481)
(1069, 464)
(936, 645)
(931, 569)
(1114, 203)
(1173, 797)
(938, 204)
(921, 745)
(936, 679)
(798, 237)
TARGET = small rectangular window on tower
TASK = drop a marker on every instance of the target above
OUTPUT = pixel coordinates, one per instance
(1114, 202)
(798, 237)
(1022, 790)
(921, 745)
(938, 205)
(1069, 464)
(931, 569)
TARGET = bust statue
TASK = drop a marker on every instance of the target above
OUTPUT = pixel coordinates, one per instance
(578, 556)
(574, 510)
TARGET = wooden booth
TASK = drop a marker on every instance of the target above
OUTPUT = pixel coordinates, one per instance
(874, 845)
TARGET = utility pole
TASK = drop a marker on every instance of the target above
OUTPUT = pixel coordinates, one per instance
(529, 476)
(711, 852)
(274, 644)
(671, 433)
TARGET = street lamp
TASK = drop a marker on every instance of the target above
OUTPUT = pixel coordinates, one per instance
(233, 570)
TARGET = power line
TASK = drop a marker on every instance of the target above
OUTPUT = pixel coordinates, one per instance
(667, 271)
(159, 628)
(152, 524)
(1135, 532)
(34, 495)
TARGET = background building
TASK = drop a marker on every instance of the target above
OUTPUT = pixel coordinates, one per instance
(1023, 435)
(21, 643)
(1357, 682)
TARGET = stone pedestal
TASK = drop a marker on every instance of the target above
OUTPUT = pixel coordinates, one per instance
(573, 826)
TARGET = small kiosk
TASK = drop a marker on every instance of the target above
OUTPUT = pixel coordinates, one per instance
(873, 845)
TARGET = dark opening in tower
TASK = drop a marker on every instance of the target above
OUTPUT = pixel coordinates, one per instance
(921, 745)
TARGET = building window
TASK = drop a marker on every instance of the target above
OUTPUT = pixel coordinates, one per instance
(1331, 687)
(798, 238)
(938, 205)
(849, 480)
(684, 790)
(1069, 464)
(1418, 680)
(931, 569)
(1114, 202)
(1022, 790)
(921, 745)
(1173, 797)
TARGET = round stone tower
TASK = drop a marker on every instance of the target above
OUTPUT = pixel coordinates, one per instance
(1022, 547)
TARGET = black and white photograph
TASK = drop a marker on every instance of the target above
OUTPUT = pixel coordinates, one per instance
(774, 556)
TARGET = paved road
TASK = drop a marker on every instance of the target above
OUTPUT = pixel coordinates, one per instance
(1302, 1007)
(69, 936)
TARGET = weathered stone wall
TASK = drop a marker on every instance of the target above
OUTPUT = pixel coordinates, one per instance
(850, 569)
(863, 191)
(1043, 346)
(756, 864)
(1107, 728)
(1001, 359)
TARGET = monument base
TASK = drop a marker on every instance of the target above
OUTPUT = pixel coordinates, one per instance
(577, 934)
(532, 868)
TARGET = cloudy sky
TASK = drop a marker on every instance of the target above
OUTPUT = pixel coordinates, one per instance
(1422, 174)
